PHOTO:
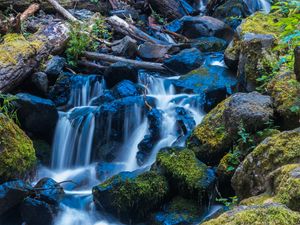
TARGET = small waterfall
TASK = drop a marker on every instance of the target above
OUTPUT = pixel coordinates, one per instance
(74, 131)
(258, 5)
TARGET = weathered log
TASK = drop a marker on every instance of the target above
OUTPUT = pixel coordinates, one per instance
(297, 63)
(59, 8)
(20, 57)
(125, 28)
(102, 6)
(32, 9)
(135, 63)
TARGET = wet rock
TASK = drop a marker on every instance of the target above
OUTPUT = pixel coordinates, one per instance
(185, 61)
(195, 180)
(267, 213)
(178, 212)
(205, 26)
(17, 155)
(60, 91)
(232, 55)
(106, 170)
(125, 89)
(81, 14)
(12, 194)
(214, 136)
(36, 211)
(38, 116)
(40, 82)
(210, 44)
(251, 176)
(55, 67)
(285, 90)
(120, 71)
(151, 52)
(251, 110)
(155, 120)
(43, 151)
(50, 189)
(124, 195)
(127, 47)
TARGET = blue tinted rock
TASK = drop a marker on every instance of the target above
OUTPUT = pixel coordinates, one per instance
(185, 61)
(50, 189)
(125, 89)
(55, 67)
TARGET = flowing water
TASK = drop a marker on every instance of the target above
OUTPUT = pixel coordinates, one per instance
(72, 146)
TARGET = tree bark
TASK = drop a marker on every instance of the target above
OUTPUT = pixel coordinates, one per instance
(135, 63)
(170, 9)
(19, 57)
(102, 6)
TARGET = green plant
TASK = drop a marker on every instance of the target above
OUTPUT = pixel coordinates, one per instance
(229, 203)
(233, 160)
(158, 17)
(8, 108)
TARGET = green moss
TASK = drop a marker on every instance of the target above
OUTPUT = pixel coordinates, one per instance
(182, 166)
(17, 155)
(133, 196)
(179, 204)
(211, 134)
(15, 46)
(285, 90)
(257, 200)
(286, 185)
(256, 215)
(261, 23)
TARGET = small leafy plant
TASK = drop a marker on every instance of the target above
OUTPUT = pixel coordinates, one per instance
(229, 203)
(8, 108)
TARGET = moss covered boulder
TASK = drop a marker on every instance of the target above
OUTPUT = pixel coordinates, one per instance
(271, 214)
(285, 90)
(187, 175)
(285, 186)
(214, 137)
(17, 155)
(250, 178)
(130, 196)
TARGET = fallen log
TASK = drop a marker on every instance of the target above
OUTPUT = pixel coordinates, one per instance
(169, 9)
(135, 63)
(56, 5)
(19, 57)
(125, 28)
(102, 6)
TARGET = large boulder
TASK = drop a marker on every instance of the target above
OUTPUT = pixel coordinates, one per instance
(12, 194)
(37, 116)
(285, 90)
(264, 214)
(185, 61)
(17, 155)
(212, 138)
(278, 150)
(205, 26)
(196, 179)
(125, 195)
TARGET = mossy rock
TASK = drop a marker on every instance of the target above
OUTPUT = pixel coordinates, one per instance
(258, 200)
(280, 149)
(285, 90)
(43, 151)
(210, 140)
(16, 47)
(17, 155)
(271, 214)
(187, 175)
(285, 184)
(178, 211)
(131, 197)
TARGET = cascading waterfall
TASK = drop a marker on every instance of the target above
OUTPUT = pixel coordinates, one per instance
(258, 5)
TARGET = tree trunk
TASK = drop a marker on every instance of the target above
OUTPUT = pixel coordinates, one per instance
(297, 63)
(20, 57)
(102, 6)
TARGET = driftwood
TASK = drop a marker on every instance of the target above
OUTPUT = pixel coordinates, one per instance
(135, 63)
(125, 28)
(102, 6)
(20, 57)
(56, 5)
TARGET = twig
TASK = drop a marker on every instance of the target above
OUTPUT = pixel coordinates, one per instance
(62, 10)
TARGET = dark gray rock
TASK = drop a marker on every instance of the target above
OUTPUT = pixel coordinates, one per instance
(40, 81)
(55, 67)
(126, 47)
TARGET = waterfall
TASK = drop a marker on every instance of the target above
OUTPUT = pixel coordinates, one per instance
(258, 5)
(74, 131)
